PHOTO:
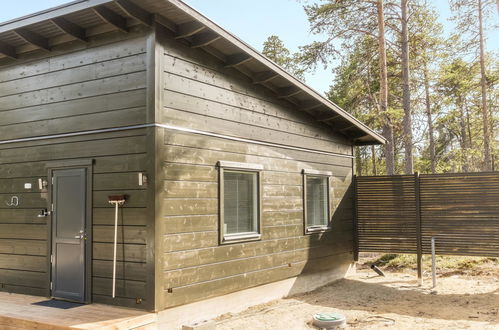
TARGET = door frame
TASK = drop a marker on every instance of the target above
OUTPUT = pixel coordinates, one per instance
(86, 164)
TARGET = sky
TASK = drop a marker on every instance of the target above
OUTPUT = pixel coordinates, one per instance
(252, 21)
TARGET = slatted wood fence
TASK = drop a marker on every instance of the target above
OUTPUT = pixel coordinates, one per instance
(400, 214)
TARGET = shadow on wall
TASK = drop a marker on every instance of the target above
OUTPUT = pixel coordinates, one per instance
(316, 259)
(330, 255)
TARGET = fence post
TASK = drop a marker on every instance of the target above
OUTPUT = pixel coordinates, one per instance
(355, 222)
(433, 265)
(419, 239)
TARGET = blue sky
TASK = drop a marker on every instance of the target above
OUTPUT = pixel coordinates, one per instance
(253, 21)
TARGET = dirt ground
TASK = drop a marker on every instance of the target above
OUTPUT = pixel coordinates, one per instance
(369, 301)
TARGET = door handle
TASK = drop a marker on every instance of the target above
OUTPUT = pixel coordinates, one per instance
(82, 235)
(44, 213)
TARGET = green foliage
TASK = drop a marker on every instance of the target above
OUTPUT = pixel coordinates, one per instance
(459, 126)
(400, 262)
(445, 79)
(467, 23)
(456, 80)
(275, 50)
(356, 85)
(343, 22)
(385, 259)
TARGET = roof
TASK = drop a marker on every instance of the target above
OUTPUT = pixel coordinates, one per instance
(83, 19)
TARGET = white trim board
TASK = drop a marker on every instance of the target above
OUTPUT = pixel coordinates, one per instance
(173, 128)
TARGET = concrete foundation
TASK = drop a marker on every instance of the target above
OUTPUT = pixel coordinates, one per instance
(175, 318)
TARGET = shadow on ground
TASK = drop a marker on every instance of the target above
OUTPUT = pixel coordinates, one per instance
(405, 299)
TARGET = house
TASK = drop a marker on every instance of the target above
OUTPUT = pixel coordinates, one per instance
(236, 174)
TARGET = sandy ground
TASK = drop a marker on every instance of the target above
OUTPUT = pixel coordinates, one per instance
(373, 302)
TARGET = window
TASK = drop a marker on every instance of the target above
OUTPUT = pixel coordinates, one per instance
(316, 193)
(239, 202)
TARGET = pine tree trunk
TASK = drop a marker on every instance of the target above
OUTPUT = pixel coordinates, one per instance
(406, 91)
(358, 161)
(464, 138)
(383, 92)
(487, 159)
(431, 137)
(373, 157)
(468, 124)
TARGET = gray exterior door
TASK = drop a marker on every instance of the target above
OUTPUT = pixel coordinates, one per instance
(68, 233)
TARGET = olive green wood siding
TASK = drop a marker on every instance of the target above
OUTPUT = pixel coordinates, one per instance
(196, 266)
(199, 93)
(103, 86)
(127, 80)
(87, 89)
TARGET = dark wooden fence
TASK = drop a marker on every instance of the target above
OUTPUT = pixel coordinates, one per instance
(400, 214)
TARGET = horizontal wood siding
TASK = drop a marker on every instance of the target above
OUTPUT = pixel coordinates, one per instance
(200, 93)
(386, 213)
(23, 236)
(102, 86)
(89, 89)
(196, 266)
(461, 211)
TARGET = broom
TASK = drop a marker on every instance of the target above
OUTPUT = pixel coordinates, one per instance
(117, 201)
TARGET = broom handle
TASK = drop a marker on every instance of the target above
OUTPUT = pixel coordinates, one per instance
(115, 244)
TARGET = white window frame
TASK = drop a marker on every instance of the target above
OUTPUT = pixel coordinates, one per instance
(321, 174)
(243, 168)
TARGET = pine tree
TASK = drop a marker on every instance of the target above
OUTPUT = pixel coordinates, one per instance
(275, 50)
(346, 23)
(428, 48)
(471, 16)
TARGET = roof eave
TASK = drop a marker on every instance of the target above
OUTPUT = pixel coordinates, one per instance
(364, 134)
(50, 13)
(377, 138)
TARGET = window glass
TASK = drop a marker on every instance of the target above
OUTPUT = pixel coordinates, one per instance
(240, 202)
(317, 200)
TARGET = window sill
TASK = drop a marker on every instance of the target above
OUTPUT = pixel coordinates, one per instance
(317, 229)
(230, 239)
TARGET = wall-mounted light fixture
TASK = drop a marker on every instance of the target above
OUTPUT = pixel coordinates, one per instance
(142, 179)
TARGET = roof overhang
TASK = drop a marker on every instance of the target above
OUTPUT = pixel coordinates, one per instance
(82, 19)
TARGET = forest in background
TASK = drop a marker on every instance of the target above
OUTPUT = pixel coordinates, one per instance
(432, 95)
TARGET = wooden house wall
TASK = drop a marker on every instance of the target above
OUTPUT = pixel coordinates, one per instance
(199, 93)
(75, 90)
